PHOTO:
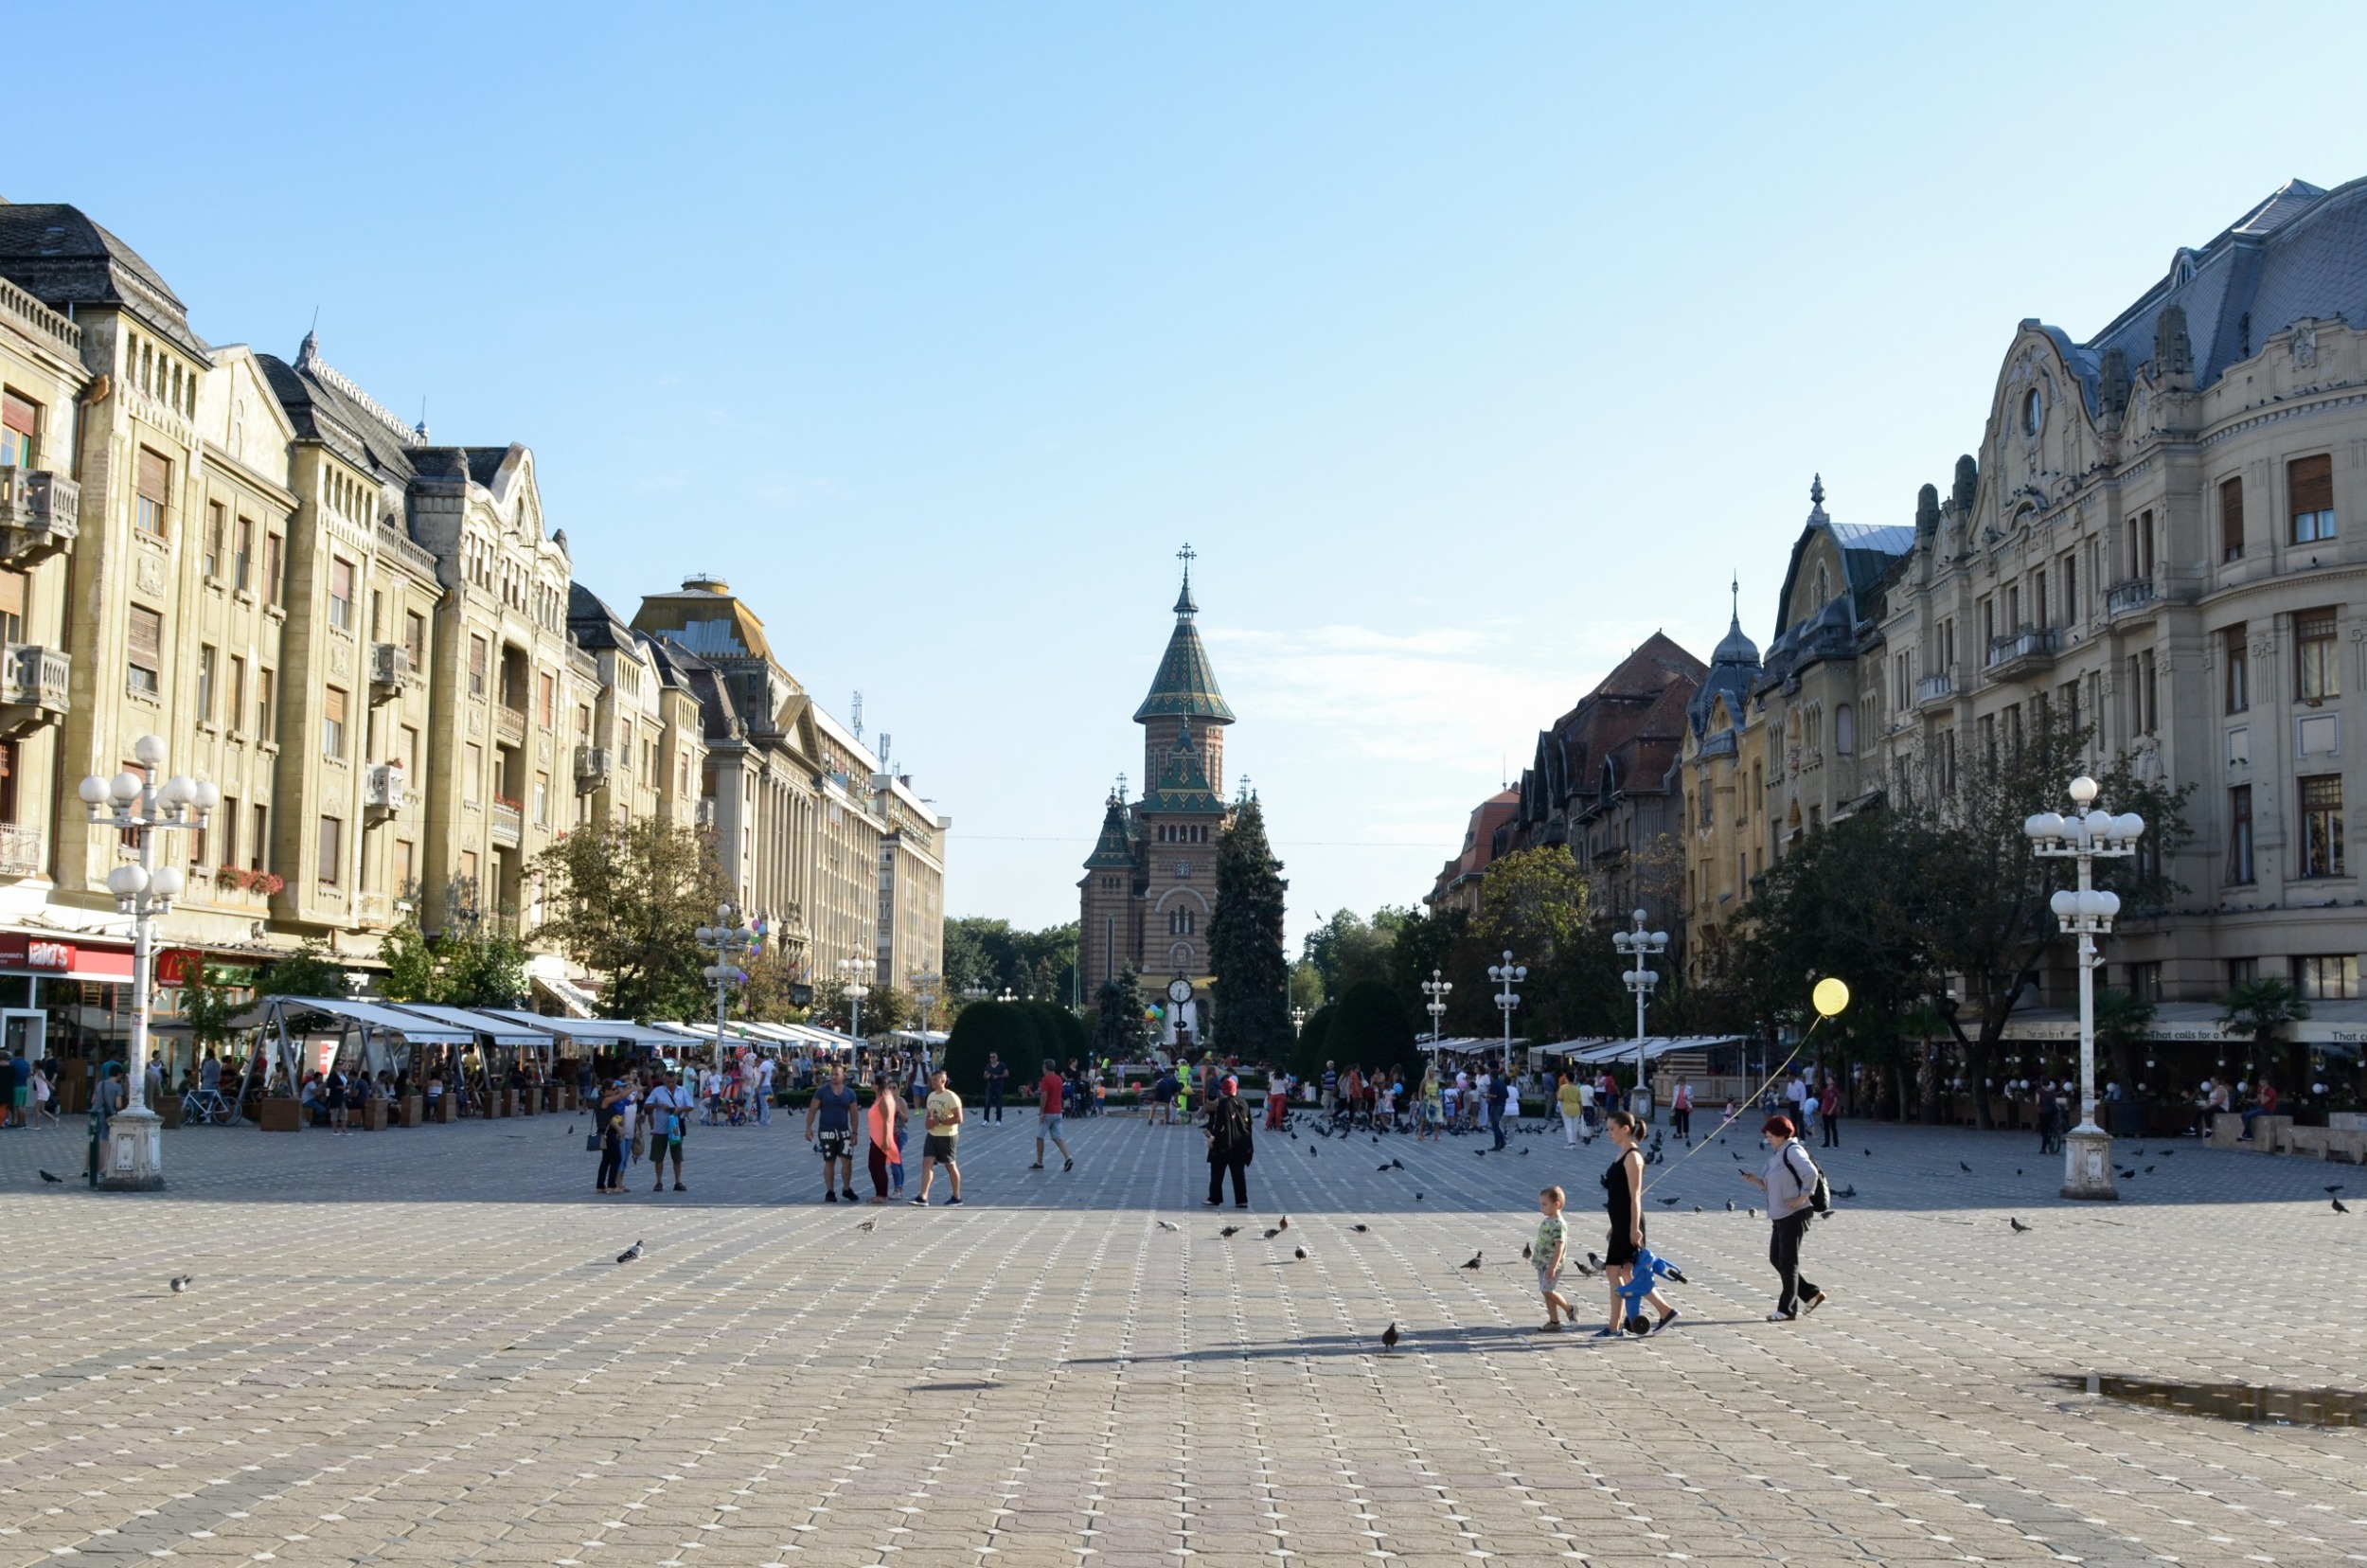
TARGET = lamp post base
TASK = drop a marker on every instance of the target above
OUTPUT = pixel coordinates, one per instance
(132, 1159)
(2088, 1164)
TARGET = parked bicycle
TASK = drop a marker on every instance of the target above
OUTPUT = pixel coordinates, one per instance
(200, 1106)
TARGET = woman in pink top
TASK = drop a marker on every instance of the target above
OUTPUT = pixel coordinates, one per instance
(880, 1123)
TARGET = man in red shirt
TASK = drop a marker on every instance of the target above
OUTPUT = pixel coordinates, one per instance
(1048, 1117)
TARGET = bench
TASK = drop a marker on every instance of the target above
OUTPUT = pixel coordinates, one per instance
(2345, 1142)
(2266, 1134)
(2226, 1128)
(2309, 1141)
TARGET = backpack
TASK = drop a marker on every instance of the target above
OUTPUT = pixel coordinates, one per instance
(1821, 1193)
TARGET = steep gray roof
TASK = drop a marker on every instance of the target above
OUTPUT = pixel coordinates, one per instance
(2301, 253)
(58, 256)
(592, 624)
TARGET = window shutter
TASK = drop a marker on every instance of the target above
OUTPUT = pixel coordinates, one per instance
(2309, 483)
(12, 593)
(19, 415)
(155, 476)
(147, 637)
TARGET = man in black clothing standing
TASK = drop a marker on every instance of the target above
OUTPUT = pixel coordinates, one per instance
(997, 1076)
(1229, 1147)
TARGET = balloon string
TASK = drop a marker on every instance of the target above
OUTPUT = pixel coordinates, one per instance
(1745, 1102)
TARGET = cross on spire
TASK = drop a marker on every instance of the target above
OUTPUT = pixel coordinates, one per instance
(1736, 591)
(1184, 605)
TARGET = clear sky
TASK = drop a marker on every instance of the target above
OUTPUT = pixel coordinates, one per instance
(1466, 345)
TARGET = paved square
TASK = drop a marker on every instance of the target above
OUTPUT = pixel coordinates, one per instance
(414, 1347)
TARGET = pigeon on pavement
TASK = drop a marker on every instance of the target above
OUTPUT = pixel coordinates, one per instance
(1475, 1262)
(1300, 1253)
(1167, 1224)
(1229, 1232)
(1389, 1337)
(2338, 1205)
(1360, 1227)
(634, 1251)
(180, 1282)
(866, 1227)
(2016, 1223)
(1966, 1168)
(53, 1181)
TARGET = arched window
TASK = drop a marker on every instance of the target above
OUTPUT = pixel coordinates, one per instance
(1844, 730)
(2033, 412)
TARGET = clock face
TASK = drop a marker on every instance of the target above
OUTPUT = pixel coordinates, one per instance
(1178, 990)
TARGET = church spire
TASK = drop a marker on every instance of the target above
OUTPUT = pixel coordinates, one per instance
(1185, 685)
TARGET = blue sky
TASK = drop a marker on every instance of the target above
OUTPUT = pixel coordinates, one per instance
(1466, 345)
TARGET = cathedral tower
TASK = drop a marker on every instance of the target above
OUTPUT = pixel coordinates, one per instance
(1150, 883)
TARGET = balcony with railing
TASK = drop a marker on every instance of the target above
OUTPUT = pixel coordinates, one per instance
(21, 850)
(2025, 652)
(509, 819)
(38, 514)
(1934, 690)
(382, 788)
(390, 669)
(33, 682)
(2134, 596)
(510, 724)
(591, 768)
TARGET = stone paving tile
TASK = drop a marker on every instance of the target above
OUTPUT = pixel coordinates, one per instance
(414, 1347)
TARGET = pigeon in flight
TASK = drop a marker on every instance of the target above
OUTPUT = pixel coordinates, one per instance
(2334, 1186)
(2017, 1225)
(634, 1251)
(180, 1282)
(1389, 1337)
(1966, 1168)
(1474, 1263)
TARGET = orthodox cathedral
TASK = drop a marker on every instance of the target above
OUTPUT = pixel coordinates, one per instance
(1151, 885)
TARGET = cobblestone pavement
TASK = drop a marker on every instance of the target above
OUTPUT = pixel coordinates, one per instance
(414, 1347)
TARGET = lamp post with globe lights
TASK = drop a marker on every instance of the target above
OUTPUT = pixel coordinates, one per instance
(2085, 836)
(730, 942)
(1504, 977)
(1437, 988)
(925, 984)
(136, 803)
(1298, 1021)
(855, 981)
(1641, 946)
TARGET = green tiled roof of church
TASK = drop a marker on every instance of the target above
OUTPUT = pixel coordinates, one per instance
(1186, 685)
(1112, 851)
(1183, 782)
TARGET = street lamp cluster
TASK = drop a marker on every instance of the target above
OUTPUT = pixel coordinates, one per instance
(2088, 834)
(137, 804)
(1639, 947)
(855, 981)
(730, 942)
(1504, 977)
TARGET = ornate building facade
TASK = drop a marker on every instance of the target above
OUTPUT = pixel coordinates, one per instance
(1150, 886)
(2163, 535)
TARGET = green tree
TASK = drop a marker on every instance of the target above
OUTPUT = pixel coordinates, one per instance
(1041, 965)
(1312, 1049)
(2259, 1010)
(1120, 1029)
(1252, 968)
(1306, 986)
(307, 971)
(625, 900)
(413, 973)
(1369, 1029)
(776, 983)
(1346, 948)
(1990, 923)
(209, 1001)
(990, 1026)
(482, 965)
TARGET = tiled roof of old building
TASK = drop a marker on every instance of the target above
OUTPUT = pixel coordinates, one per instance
(1186, 682)
(1479, 837)
(1183, 782)
(57, 254)
(2299, 253)
(1621, 736)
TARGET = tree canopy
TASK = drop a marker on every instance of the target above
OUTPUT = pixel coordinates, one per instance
(993, 956)
(626, 900)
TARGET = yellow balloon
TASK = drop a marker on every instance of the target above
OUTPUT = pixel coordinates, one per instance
(1831, 995)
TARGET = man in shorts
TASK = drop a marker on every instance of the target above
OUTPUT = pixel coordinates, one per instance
(1048, 1104)
(834, 1106)
(944, 1113)
(667, 1108)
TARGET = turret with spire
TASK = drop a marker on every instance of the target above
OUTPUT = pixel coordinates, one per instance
(1183, 689)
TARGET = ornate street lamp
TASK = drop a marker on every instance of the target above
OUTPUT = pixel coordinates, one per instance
(729, 942)
(1298, 1021)
(925, 985)
(1437, 988)
(855, 975)
(1641, 946)
(2087, 835)
(1008, 996)
(135, 802)
(1504, 977)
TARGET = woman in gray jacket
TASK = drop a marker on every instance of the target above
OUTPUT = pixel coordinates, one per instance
(1788, 1179)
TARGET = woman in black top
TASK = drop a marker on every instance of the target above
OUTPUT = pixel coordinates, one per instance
(1623, 1204)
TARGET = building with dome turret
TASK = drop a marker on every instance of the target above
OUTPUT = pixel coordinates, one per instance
(1150, 886)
